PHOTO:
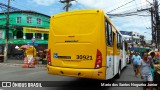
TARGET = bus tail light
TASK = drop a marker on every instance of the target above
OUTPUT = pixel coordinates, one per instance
(98, 63)
(49, 57)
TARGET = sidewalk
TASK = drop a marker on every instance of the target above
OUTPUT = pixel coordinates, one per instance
(15, 61)
(18, 63)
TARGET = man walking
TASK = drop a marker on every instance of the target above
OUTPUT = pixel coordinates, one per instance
(136, 60)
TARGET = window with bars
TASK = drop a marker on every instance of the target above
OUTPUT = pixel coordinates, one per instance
(1, 35)
(38, 35)
(29, 19)
(39, 21)
(19, 19)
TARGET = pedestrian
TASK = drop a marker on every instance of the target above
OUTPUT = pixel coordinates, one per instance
(132, 57)
(41, 55)
(136, 60)
(152, 54)
(145, 72)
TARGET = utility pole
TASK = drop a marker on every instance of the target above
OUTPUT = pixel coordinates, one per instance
(132, 41)
(68, 4)
(157, 28)
(151, 10)
(155, 23)
(7, 30)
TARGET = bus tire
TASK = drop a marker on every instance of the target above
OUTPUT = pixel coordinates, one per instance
(119, 71)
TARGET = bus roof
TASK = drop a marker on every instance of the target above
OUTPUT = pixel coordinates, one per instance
(76, 12)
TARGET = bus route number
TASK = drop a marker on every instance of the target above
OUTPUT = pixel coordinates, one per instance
(84, 57)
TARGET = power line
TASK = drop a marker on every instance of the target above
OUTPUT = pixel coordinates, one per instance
(128, 7)
(121, 6)
(10, 7)
(129, 13)
(142, 20)
(17, 3)
(131, 10)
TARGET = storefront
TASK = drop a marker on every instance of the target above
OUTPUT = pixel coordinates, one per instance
(29, 33)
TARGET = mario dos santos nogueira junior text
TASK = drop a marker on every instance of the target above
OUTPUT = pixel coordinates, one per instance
(128, 84)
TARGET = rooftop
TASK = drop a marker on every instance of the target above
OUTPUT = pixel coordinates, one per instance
(26, 11)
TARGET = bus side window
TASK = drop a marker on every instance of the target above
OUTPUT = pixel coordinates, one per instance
(126, 46)
(109, 34)
(106, 32)
(120, 41)
(118, 46)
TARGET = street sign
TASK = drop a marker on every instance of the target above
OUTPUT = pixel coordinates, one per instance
(33, 40)
(30, 43)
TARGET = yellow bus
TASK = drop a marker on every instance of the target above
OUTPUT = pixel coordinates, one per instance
(85, 43)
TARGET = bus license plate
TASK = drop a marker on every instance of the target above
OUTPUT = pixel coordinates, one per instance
(84, 57)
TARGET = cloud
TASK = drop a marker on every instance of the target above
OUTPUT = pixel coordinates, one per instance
(136, 22)
(132, 23)
(108, 5)
(98, 4)
(44, 2)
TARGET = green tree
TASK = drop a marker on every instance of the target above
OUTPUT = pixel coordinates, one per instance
(143, 43)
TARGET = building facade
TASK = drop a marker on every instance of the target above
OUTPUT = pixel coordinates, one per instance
(134, 39)
(131, 36)
(23, 26)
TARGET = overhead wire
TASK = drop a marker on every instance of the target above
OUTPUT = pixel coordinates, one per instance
(133, 12)
(121, 6)
(130, 12)
(142, 21)
(148, 19)
(44, 19)
(127, 14)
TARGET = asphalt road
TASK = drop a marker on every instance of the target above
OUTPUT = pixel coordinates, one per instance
(16, 73)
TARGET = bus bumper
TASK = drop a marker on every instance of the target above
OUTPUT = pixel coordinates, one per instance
(83, 73)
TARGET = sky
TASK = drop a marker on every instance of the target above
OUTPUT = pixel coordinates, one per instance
(140, 24)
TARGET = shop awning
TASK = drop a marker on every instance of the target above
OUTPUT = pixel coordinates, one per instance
(35, 30)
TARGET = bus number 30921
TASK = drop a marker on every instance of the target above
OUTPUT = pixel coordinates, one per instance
(84, 57)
